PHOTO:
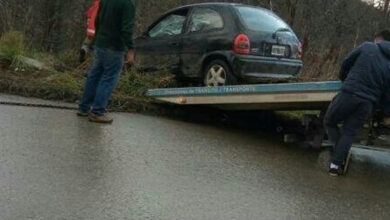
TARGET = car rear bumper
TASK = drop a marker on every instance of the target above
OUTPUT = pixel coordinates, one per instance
(257, 68)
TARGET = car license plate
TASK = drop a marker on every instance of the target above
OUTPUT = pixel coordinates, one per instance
(279, 51)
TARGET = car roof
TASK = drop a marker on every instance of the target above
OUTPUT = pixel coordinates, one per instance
(224, 4)
(214, 3)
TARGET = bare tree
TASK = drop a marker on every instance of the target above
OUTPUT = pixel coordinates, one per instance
(327, 28)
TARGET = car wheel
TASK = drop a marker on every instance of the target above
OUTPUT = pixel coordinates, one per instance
(218, 73)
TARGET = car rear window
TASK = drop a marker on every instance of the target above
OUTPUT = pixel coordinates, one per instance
(258, 19)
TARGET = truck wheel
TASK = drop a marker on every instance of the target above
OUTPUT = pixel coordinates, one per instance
(218, 73)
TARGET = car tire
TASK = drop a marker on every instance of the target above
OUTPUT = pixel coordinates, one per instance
(218, 73)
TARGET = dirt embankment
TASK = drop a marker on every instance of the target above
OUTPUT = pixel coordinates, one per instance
(67, 86)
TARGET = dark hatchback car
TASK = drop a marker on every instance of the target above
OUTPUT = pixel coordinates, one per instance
(221, 44)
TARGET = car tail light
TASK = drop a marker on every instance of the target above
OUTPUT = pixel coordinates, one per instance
(300, 51)
(242, 44)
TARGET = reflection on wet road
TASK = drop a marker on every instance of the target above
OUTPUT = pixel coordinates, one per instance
(54, 165)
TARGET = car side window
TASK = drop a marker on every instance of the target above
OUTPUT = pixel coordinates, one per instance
(205, 19)
(169, 26)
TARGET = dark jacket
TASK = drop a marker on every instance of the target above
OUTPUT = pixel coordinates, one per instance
(385, 105)
(115, 25)
(366, 71)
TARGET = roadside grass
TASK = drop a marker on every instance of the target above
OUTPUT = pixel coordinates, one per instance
(13, 50)
(62, 77)
(61, 86)
(12, 45)
(68, 86)
(67, 60)
(135, 84)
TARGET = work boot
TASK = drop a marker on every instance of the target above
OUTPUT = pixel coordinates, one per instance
(335, 170)
(104, 119)
(81, 113)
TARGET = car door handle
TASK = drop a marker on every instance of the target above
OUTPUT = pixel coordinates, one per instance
(175, 44)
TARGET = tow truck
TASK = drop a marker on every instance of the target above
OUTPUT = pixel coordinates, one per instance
(275, 97)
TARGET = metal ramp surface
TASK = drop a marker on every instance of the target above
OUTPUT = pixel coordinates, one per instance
(283, 96)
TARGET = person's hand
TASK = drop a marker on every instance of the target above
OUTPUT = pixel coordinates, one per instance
(130, 57)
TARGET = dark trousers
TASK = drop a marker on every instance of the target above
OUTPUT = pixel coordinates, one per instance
(351, 111)
(386, 105)
(102, 80)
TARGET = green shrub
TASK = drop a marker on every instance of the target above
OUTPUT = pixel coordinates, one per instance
(12, 45)
(62, 86)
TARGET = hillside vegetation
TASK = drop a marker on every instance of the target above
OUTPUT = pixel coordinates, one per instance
(51, 32)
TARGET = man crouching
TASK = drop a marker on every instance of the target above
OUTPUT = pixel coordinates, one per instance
(366, 79)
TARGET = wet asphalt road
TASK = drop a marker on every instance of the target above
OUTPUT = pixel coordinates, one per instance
(56, 166)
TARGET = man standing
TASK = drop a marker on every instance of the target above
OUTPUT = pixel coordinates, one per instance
(366, 76)
(113, 40)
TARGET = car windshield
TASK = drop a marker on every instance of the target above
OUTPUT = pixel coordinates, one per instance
(258, 19)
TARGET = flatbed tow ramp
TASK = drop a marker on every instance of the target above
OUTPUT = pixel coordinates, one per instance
(287, 96)
(283, 96)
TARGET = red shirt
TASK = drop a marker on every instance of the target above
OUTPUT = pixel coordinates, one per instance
(91, 16)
